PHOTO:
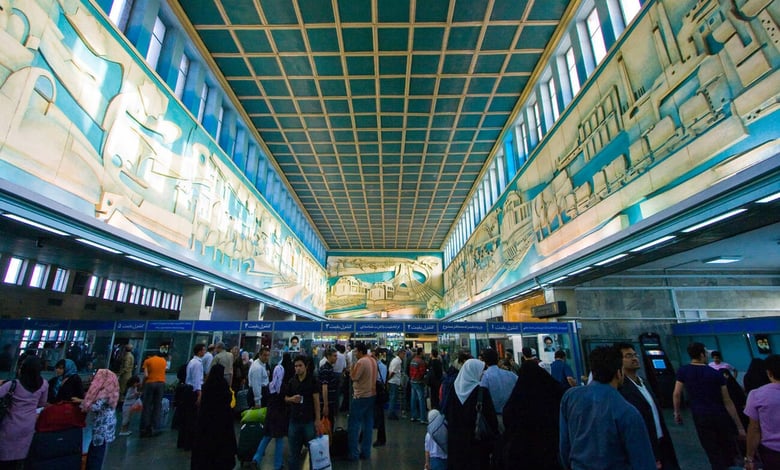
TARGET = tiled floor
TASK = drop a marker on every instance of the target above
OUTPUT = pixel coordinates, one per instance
(404, 450)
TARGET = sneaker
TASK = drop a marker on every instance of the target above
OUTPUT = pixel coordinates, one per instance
(125, 433)
(423, 422)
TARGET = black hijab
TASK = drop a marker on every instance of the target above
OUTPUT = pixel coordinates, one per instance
(30, 374)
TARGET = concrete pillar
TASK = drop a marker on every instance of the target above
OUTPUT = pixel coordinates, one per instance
(254, 311)
(194, 303)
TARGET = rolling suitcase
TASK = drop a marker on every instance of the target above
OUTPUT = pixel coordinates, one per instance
(56, 449)
(248, 439)
(339, 444)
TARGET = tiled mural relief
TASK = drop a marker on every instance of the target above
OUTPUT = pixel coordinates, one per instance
(689, 99)
(85, 123)
(385, 286)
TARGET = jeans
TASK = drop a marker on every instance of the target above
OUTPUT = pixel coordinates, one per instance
(438, 463)
(361, 418)
(95, 456)
(278, 451)
(152, 400)
(298, 434)
(418, 402)
(393, 400)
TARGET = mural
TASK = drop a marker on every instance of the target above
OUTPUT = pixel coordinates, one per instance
(690, 98)
(385, 286)
(85, 123)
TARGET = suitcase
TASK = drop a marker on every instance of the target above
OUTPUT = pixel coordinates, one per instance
(60, 416)
(56, 449)
(339, 444)
(242, 402)
(249, 438)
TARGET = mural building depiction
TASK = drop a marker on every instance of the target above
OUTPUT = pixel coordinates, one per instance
(387, 286)
(86, 122)
(689, 98)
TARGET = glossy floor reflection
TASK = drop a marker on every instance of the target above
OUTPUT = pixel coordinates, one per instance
(404, 450)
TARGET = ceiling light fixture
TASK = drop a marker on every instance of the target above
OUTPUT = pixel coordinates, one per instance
(171, 270)
(723, 260)
(558, 279)
(98, 246)
(652, 243)
(714, 220)
(200, 280)
(770, 198)
(32, 223)
(609, 260)
(141, 260)
(580, 271)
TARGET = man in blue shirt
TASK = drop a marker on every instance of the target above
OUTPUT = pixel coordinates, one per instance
(561, 371)
(499, 381)
(598, 428)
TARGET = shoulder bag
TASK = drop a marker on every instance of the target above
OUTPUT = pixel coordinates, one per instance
(482, 431)
(6, 401)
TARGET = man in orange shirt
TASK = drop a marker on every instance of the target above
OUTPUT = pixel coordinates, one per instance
(154, 386)
(361, 409)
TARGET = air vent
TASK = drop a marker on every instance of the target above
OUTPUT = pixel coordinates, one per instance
(54, 302)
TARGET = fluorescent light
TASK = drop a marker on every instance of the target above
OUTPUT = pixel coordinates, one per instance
(723, 260)
(558, 279)
(580, 271)
(98, 246)
(36, 224)
(652, 243)
(609, 260)
(141, 260)
(770, 198)
(199, 280)
(166, 268)
(714, 220)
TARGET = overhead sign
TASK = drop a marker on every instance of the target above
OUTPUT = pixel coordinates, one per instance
(130, 325)
(463, 327)
(297, 326)
(257, 326)
(171, 325)
(379, 327)
(338, 327)
(421, 327)
(208, 325)
(553, 309)
(505, 327)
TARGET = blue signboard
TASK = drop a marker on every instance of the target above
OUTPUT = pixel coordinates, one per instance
(379, 327)
(505, 327)
(130, 325)
(338, 326)
(549, 328)
(16, 324)
(46, 324)
(297, 326)
(91, 325)
(463, 327)
(421, 327)
(169, 325)
(208, 325)
(257, 326)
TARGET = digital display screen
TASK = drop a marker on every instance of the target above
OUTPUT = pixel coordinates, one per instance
(655, 352)
(659, 364)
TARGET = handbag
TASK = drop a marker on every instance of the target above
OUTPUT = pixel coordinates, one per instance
(7, 401)
(482, 431)
(59, 416)
(319, 453)
(438, 431)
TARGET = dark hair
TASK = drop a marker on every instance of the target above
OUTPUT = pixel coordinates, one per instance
(464, 356)
(622, 346)
(490, 356)
(30, 374)
(295, 338)
(773, 365)
(560, 354)
(340, 348)
(211, 347)
(263, 349)
(546, 338)
(60, 364)
(301, 358)
(132, 381)
(330, 352)
(361, 346)
(695, 350)
(604, 362)
(434, 352)
(716, 353)
(420, 351)
(198, 348)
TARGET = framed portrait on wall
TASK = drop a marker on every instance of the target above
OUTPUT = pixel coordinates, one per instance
(762, 344)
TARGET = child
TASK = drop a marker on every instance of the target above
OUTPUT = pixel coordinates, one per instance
(435, 456)
(132, 403)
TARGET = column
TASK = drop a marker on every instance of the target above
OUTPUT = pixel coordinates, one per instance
(197, 303)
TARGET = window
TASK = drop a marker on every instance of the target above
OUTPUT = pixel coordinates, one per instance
(109, 289)
(204, 94)
(121, 291)
(596, 38)
(184, 69)
(155, 44)
(39, 275)
(135, 294)
(94, 281)
(524, 140)
(538, 122)
(15, 272)
(629, 8)
(219, 123)
(146, 296)
(571, 66)
(120, 13)
(553, 101)
(60, 283)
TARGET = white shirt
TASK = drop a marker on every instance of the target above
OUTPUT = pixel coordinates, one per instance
(195, 373)
(433, 448)
(341, 363)
(206, 359)
(642, 386)
(395, 371)
(258, 378)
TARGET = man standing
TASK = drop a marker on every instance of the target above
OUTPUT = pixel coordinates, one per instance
(417, 369)
(303, 396)
(379, 407)
(190, 404)
(340, 368)
(561, 371)
(718, 364)
(258, 376)
(329, 383)
(361, 409)
(207, 358)
(394, 382)
(499, 381)
(436, 374)
(637, 392)
(154, 386)
(598, 428)
(763, 409)
(126, 370)
(714, 414)
(225, 358)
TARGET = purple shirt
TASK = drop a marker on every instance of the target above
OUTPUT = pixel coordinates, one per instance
(763, 405)
(18, 427)
(703, 384)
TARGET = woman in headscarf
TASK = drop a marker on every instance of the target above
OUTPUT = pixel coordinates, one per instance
(464, 450)
(531, 420)
(18, 427)
(755, 376)
(66, 384)
(100, 405)
(214, 446)
(276, 420)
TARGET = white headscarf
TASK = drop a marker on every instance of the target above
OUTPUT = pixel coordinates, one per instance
(276, 384)
(468, 378)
